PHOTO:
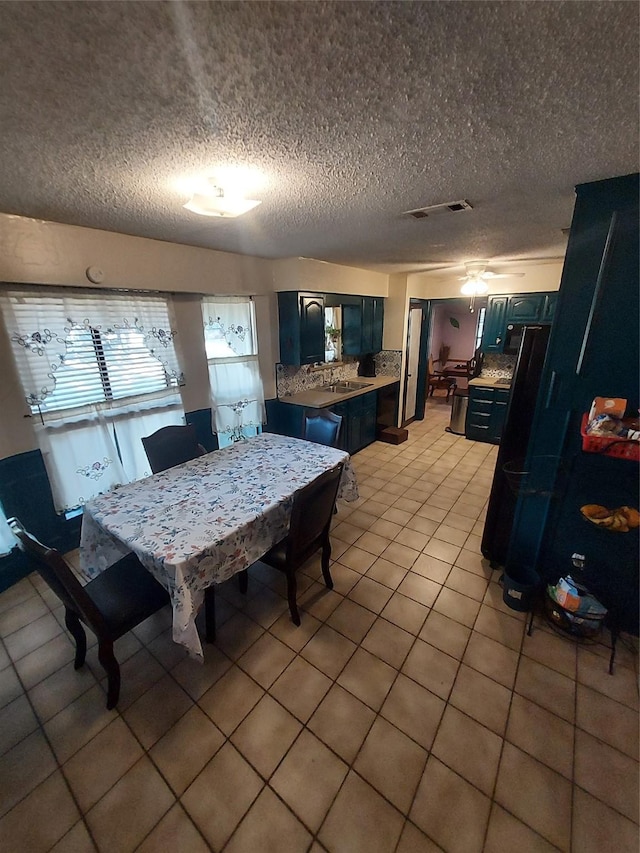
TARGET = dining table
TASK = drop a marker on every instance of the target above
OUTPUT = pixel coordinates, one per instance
(203, 521)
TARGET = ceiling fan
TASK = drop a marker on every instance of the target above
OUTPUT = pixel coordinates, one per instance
(475, 280)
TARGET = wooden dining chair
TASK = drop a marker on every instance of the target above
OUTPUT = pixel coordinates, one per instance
(322, 428)
(308, 532)
(121, 597)
(437, 381)
(172, 445)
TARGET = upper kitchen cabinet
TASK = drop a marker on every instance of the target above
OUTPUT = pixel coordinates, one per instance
(362, 325)
(549, 307)
(495, 322)
(525, 308)
(301, 320)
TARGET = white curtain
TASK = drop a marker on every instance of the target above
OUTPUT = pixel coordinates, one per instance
(99, 371)
(7, 539)
(237, 396)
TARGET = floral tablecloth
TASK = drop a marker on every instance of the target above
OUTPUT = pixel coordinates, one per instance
(201, 522)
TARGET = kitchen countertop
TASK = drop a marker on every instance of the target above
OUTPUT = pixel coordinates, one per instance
(315, 398)
(488, 382)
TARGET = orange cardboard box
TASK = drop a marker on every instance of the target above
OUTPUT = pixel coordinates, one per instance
(615, 407)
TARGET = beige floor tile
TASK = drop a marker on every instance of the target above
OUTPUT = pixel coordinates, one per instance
(214, 805)
(456, 606)
(77, 840)
(507, 833)
(297, 636)
(318, 601)
(18, 593)
(386, 528)
(475, 563)
(412, 539)
(196, 677)
(344, 579)
(137, 674)
(157, 710)
(265, 735)
(607, 774)
(387, 573)
(419, 589)
(348, 532)
(352, 620)
(407, 504)
(329, 651)
(76, 724)
(593, 671)
(41, 819)
(185, 749)
(265, 826)
(492, 659)
(154, 625)
(449, 534)
(32, 636)
(597, 828)
(388, 642)
(230, 699)
(266, 660)
(357, 559)
(237, 635)
(360, 820)
(444, 551)
(461, 824)
(422, 525)
(445, 634)
(93, 770)
(375, 507)
(175, 831)
(130, 810)
(467, 583)
(401, 555)
(5, 660)
(547, 688)
(268, 605)
(301, 688)
(370, 594)
(22, 614)
(543, 803)
(166, 651)
(481, 698)
(414, 710)
(413, 840)
(553, 651)
(432, 568)
(528, 721)
(368, 678)
(397, 516)
(373, 543)
(469, 748)
(363, 520)
(431, 668)
(17, 720)
(23, 767)
(458, 522)
(309, 794)
(499, 627)
(10, 686)
(608, 720)
(392, 763)
(342, 722)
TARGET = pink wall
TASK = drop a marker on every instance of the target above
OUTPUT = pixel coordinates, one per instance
(460, 340)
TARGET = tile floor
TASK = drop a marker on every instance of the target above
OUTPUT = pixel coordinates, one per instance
(409, 711)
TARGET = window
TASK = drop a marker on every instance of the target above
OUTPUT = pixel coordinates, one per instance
(237, 397)
(480, 327)
(99, 371)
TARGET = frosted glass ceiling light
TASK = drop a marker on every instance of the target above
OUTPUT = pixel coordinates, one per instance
(217, 202)
(474, 287)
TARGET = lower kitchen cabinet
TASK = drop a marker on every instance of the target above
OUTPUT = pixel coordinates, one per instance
(486, 413)
(358, 420)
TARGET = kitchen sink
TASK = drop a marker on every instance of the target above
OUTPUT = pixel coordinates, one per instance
(344, 387)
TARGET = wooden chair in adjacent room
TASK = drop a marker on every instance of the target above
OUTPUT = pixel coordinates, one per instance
(322, 428)
(172, 445)
(437, 381)
(113, 603)
(308, 532)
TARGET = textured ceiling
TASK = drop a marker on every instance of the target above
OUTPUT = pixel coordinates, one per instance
(354, 112)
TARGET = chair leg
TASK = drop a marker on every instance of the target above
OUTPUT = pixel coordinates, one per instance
(210, 614)
(243, 581)
(110, 666)
(77, 632)
(326, 555)
(292, 588)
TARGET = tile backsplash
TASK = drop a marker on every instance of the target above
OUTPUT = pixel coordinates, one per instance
(498, 366)
(292, 380)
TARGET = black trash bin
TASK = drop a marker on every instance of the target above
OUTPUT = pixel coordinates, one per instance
(459, 408)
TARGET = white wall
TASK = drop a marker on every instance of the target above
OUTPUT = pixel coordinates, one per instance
(538, 277)
(322, 277)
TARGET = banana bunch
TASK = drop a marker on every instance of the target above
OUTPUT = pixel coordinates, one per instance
(620, 520)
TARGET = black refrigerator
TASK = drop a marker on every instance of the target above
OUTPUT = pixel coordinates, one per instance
(521, 407)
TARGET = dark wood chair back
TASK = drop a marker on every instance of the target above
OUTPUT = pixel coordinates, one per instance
(111, 604)
(172, 445)
(311, 517)
(322, 428)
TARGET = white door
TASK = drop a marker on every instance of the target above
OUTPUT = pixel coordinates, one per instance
(413, 354)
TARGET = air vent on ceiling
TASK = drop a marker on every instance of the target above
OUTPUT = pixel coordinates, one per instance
(453, 206)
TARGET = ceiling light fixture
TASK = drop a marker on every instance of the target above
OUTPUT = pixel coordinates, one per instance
(219, 202)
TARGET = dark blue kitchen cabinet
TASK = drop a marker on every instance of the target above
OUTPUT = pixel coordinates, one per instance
(525, 308)
(495, 323)
(301, 323)
(548, 310)
(593, 351)
(486, 413)
(362, 326)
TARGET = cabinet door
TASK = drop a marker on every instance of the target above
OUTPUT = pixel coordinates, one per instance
(366, 341)
(493, 336)
(342, 409)
(496, 423)
(355, 424)
(351, 329)
(525, 309)
(549, 308)
(311, 329)
(378, 321)
(368, 422)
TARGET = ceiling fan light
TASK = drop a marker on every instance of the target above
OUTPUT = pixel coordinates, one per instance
(474, 287)
(219, 204)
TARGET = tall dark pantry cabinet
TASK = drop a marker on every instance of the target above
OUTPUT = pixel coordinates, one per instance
(593, 351)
